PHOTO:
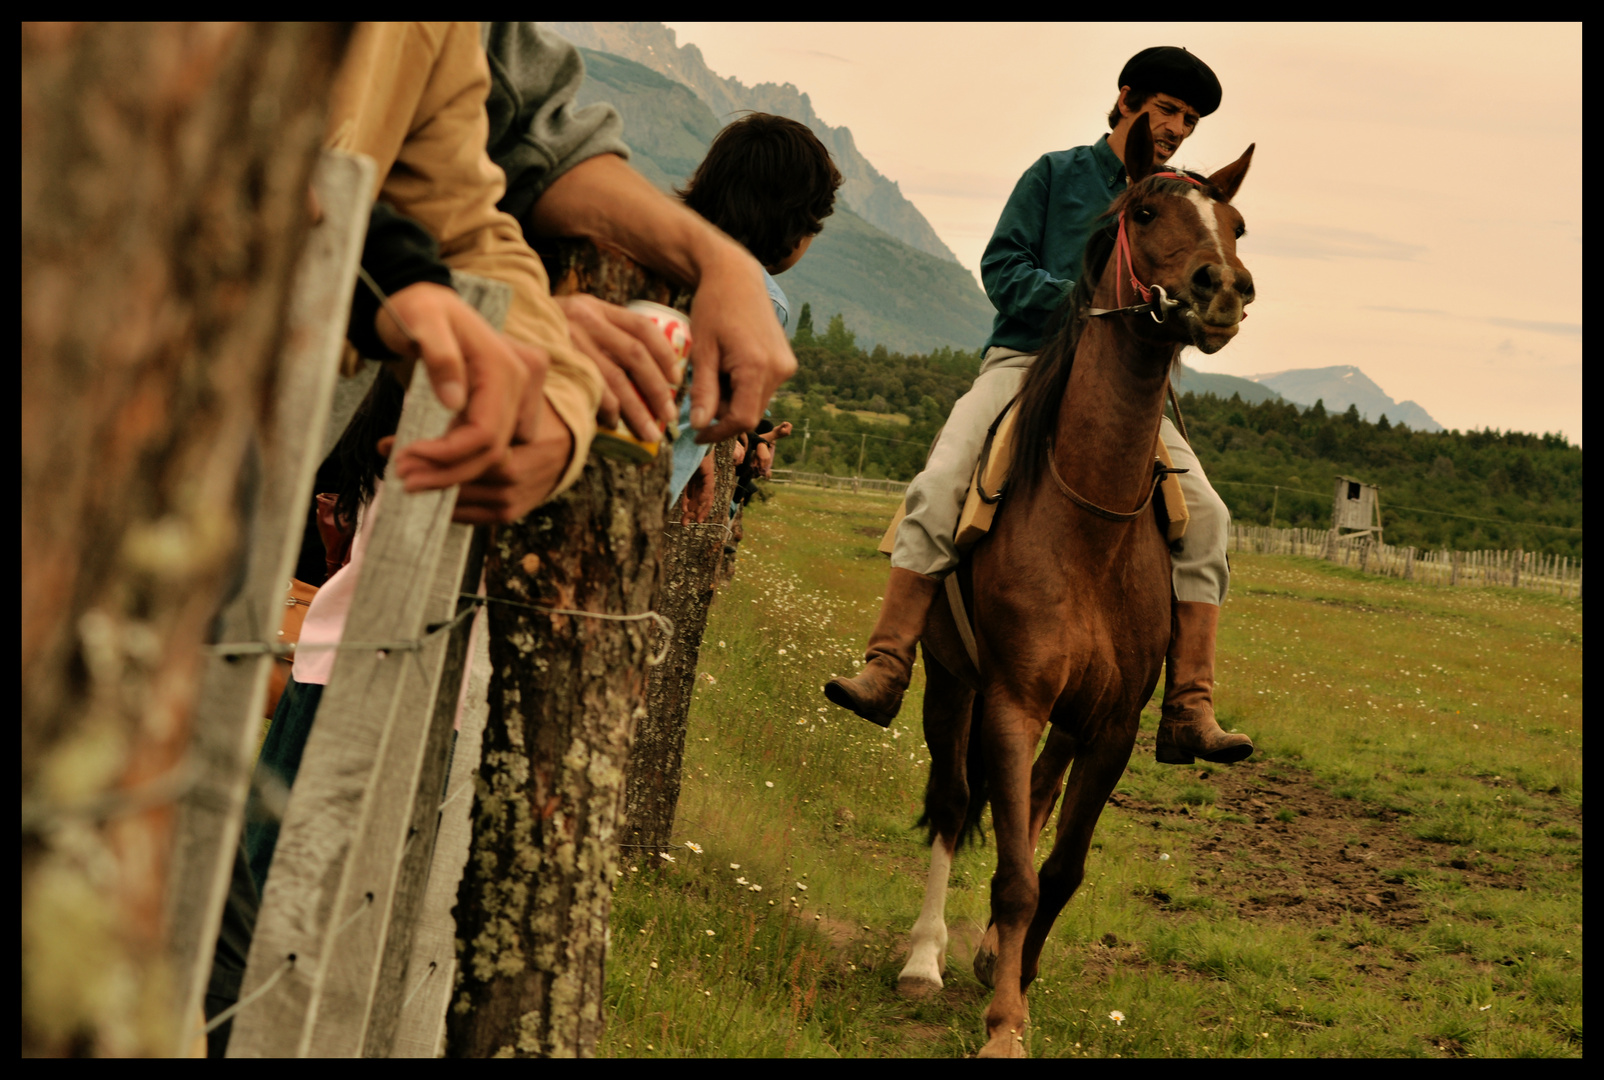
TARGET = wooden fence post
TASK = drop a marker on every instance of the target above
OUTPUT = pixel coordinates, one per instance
(566, 692)
(228, 705)
(343, 891)
(691, 559)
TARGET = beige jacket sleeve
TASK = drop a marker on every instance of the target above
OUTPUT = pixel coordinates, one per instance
(412, 97)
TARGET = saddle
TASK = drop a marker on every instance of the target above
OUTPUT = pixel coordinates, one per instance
(990, 483)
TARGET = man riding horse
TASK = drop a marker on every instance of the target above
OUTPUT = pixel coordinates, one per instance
(1029, 267)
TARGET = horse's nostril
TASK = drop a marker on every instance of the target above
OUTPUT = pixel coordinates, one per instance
(1206, 279)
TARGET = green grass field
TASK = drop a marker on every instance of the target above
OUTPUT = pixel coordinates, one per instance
(1396, 872)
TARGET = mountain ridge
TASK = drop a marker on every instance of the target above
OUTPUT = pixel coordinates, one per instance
(1341, 385)
(871, 195)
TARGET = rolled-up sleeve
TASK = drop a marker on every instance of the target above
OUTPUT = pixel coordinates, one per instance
(416, 103)
(1016, 283)
(537, 132)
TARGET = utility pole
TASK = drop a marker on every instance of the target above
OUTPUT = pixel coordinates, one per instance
(1275, 502)
(862, 443)
(807, 423)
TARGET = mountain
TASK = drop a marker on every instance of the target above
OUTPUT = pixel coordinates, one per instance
(890, 293)
(871, 196)
(1342, 386)
(1188, 381)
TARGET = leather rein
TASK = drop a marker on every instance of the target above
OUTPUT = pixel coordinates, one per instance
(1159, 309)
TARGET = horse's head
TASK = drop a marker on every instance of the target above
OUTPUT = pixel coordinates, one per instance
(1181, 233)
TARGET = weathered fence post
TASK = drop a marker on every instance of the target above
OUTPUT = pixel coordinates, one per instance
(339, 907)
(566, 692)
(691, 558)
(163, 178)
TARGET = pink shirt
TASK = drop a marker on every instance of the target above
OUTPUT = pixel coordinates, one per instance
(325, 619)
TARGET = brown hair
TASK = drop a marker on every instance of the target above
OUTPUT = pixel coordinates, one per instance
(767, 181)
(1133, 101)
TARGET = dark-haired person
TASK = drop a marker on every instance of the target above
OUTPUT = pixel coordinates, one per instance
(567, 174)
(1029, 267)
(769, 183)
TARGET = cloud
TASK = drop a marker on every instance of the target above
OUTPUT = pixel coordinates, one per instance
(1561, 329)
(1299, 241)
(1558, 329)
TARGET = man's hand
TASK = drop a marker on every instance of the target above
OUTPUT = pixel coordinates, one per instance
(523, 479)
(765, 458)
(736, 342)
(635, 360)
(471, 365)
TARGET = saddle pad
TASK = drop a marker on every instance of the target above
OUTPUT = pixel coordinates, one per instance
(991, 474)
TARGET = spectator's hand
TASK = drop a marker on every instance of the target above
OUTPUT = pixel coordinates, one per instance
(780, 432)
(474, 371)
(636, 362)
(765, 458)
(738, 349)
(739, 449)
(524, 478)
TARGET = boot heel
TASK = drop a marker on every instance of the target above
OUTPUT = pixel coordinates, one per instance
(1172, 755)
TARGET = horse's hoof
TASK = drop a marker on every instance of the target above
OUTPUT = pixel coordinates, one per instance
(1005, 1044)
(917, 987)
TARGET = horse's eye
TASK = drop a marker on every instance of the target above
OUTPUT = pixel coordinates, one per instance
(1241, 230)
(1143, 215)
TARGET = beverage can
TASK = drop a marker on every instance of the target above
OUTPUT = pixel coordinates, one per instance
(675, 326)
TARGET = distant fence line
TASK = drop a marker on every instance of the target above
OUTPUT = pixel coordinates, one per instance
(1560, 575)
(851, 483)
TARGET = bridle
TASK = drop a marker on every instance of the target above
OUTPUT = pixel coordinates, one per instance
(1159, 308)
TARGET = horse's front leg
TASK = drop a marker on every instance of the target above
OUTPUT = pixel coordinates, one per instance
(948, 708)
(1098, 767)
(1011, 730)
(1047, 779)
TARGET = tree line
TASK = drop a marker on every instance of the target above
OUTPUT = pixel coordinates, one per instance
(1504, 489)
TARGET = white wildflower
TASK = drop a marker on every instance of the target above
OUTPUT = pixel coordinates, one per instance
(768, 783)
(735, 866)
(694, 847)
(801, 886)
(740, 881)
(1117, 1016)
(709, 933)
(666, 857)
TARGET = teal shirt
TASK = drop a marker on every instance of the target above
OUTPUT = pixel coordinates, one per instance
(1034, 256)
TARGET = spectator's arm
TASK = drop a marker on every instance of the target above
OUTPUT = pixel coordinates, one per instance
(537, 132)
(736, 338)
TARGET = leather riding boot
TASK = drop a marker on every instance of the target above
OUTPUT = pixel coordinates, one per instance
(875, 693)
(1186, 727)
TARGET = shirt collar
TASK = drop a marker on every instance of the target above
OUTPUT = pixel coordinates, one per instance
(1108, 162)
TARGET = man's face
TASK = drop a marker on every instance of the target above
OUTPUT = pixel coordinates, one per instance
(1171, 120)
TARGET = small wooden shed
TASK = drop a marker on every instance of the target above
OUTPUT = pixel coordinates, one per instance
(1356, 508)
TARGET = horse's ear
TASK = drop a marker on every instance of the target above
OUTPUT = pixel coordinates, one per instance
(1138, 150)
(1229, 179)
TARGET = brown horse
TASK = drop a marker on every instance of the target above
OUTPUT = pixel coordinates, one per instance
(1070, 592)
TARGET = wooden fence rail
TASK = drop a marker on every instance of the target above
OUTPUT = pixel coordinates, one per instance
(852, 483)
(1554, 574)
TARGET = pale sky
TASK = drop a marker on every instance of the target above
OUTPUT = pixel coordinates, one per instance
(1414, 206)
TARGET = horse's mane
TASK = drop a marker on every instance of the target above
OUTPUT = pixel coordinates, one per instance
(1042, 392)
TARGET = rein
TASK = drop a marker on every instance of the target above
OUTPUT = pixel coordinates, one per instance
(1160, 309)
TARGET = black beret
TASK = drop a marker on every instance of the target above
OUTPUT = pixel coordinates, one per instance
(1166, 69)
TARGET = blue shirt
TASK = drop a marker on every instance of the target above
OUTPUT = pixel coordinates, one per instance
(1034, 257)
(782, 306)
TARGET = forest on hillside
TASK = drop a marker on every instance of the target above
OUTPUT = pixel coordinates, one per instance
(1464, 490)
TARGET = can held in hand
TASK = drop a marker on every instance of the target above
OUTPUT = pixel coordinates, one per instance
(675, 326)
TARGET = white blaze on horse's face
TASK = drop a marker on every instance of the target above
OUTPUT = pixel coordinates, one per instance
(1218, 285)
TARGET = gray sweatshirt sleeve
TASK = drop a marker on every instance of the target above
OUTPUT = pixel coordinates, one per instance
(536, 131)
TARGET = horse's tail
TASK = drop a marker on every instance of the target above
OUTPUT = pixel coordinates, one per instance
(975, 773)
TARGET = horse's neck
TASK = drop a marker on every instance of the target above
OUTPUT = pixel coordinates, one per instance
(1111, 410)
